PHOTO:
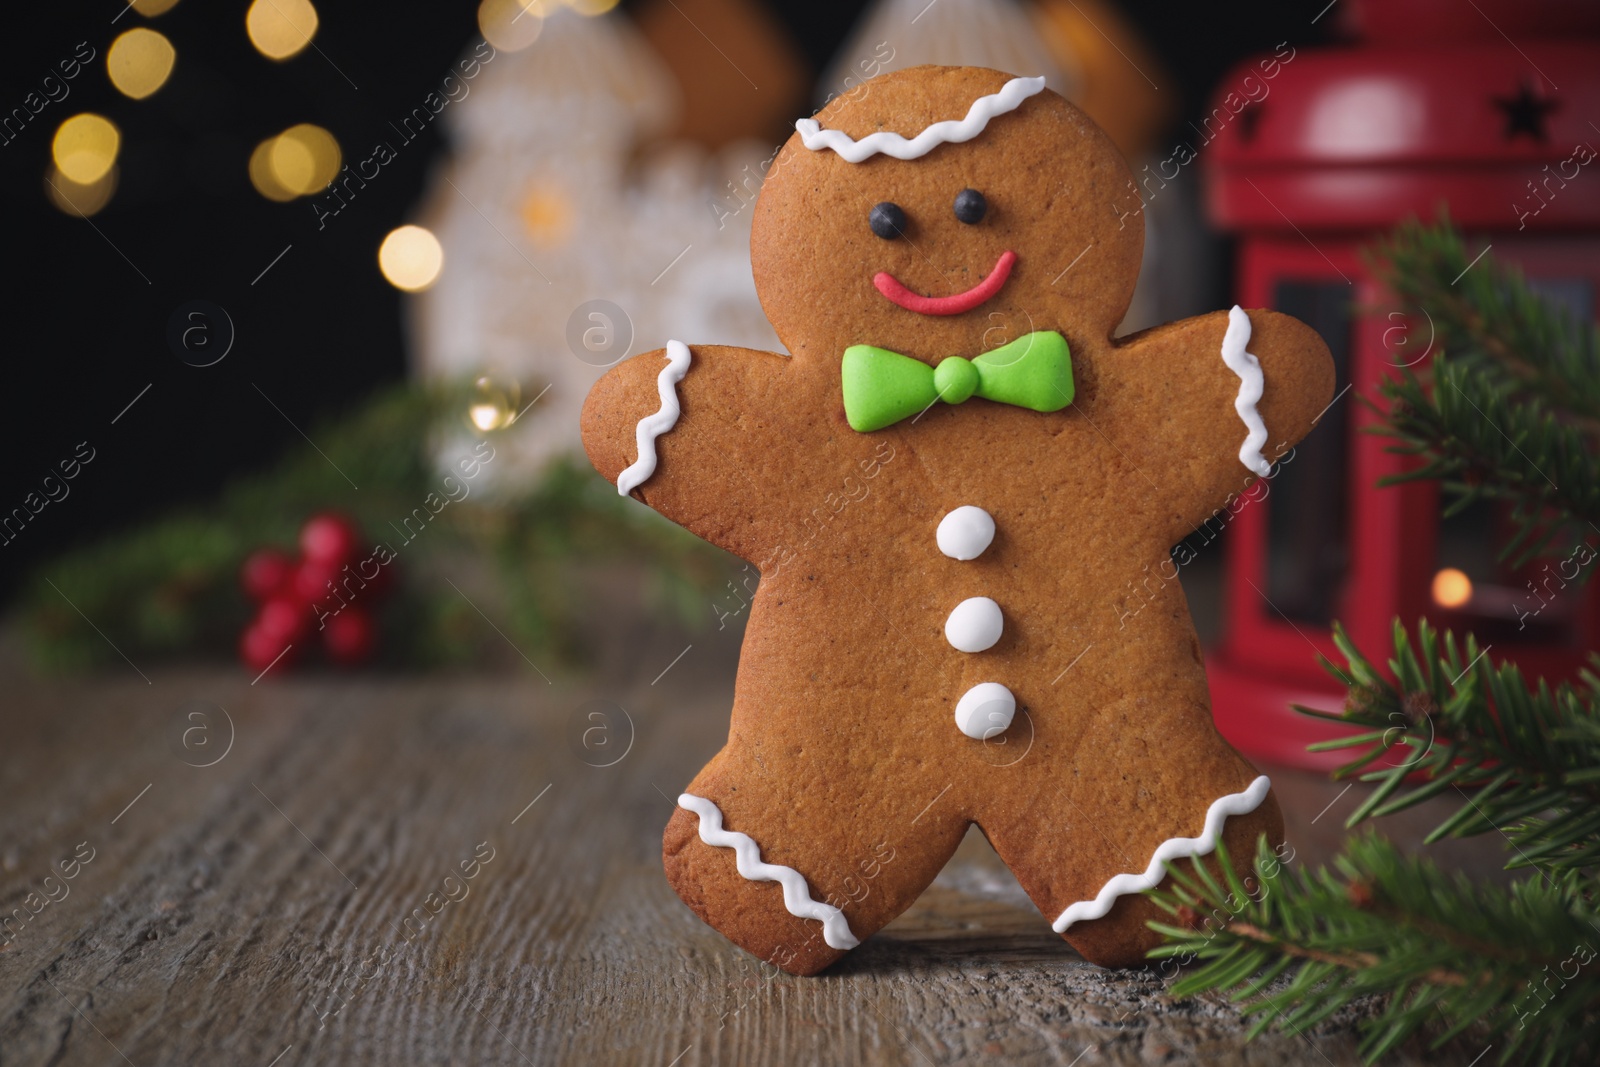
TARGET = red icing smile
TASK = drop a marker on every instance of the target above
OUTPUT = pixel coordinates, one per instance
(954, 304)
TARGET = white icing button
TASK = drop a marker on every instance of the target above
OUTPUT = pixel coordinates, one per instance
(974, 625)
(985, 711)
(965, 532)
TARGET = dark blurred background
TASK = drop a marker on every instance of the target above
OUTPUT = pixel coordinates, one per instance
(88, 301)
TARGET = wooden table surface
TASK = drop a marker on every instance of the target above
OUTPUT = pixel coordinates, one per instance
(256, 851)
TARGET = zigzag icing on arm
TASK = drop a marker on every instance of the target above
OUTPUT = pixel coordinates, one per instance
(652, 426)
(1176, 848)
(1251, 385)
(796, 894)
(950, 131)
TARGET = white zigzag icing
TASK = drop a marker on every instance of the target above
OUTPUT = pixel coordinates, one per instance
(652, 426)
(1251, 386)
(796, 894)
(950, 131)
(1173, 849)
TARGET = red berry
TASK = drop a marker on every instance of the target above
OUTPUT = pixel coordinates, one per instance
(260, 649)
(329, 538)
(311, 583)
(266, 573)
(349, 637)
(284, 619)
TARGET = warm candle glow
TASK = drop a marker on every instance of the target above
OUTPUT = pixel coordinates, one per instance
(1451, 588)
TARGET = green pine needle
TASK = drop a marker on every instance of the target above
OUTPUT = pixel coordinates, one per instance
(1509, 406)
(1520, 760)
(1516, 968)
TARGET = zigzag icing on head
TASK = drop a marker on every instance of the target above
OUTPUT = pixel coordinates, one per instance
(950, 131)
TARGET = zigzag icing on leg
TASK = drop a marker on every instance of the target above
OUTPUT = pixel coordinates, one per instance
(1174, 849)
(796, 894)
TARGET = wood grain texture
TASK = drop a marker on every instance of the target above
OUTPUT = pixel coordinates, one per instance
(253, 912)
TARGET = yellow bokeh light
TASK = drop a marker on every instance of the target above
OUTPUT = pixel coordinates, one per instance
(1451, 588)
(305, 158)
(300, 161)
(280, 28)
(151, 8)
(592, 7)
(511, 25)
(85, 147)
(262, 175)
(139, 62)
(495, 405)
(411, 258)
(75, 199)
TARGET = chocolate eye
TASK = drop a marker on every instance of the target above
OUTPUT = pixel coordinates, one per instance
(887, 220)
(971, 206)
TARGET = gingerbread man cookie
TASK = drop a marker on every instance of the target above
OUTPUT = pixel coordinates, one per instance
(961, 494)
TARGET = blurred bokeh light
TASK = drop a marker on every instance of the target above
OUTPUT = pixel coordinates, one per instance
(85, 147)
(411, 258)
(280, 28)
(139, 62)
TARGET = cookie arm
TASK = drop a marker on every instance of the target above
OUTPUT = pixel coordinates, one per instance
(689, 430)
(1203, 407)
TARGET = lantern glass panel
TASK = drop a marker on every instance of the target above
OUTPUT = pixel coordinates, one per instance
(1575, 296)
(1308, 543)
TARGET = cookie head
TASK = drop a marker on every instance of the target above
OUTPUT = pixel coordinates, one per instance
(940, 211)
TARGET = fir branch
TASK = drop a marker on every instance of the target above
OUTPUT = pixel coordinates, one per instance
(1509, 408)
(1485, 312)
(1457, 721)
(1295, 946)
(1483, 443)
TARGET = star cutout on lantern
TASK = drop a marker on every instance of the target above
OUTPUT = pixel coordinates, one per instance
(1526, 113)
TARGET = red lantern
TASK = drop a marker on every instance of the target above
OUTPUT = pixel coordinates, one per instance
(1482, 109)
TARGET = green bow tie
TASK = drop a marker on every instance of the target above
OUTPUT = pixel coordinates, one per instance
(882, 387)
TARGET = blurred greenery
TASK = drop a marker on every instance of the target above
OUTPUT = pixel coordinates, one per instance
(170, 588)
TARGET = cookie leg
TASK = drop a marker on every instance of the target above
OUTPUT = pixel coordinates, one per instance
(1088, 871)
(1112, 928)
(787, 879)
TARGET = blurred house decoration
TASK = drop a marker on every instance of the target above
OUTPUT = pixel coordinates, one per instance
(1115, 74)
(895, 34)
(576, 230)
(723, 101)
(1428, 108)
(1088, 53)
